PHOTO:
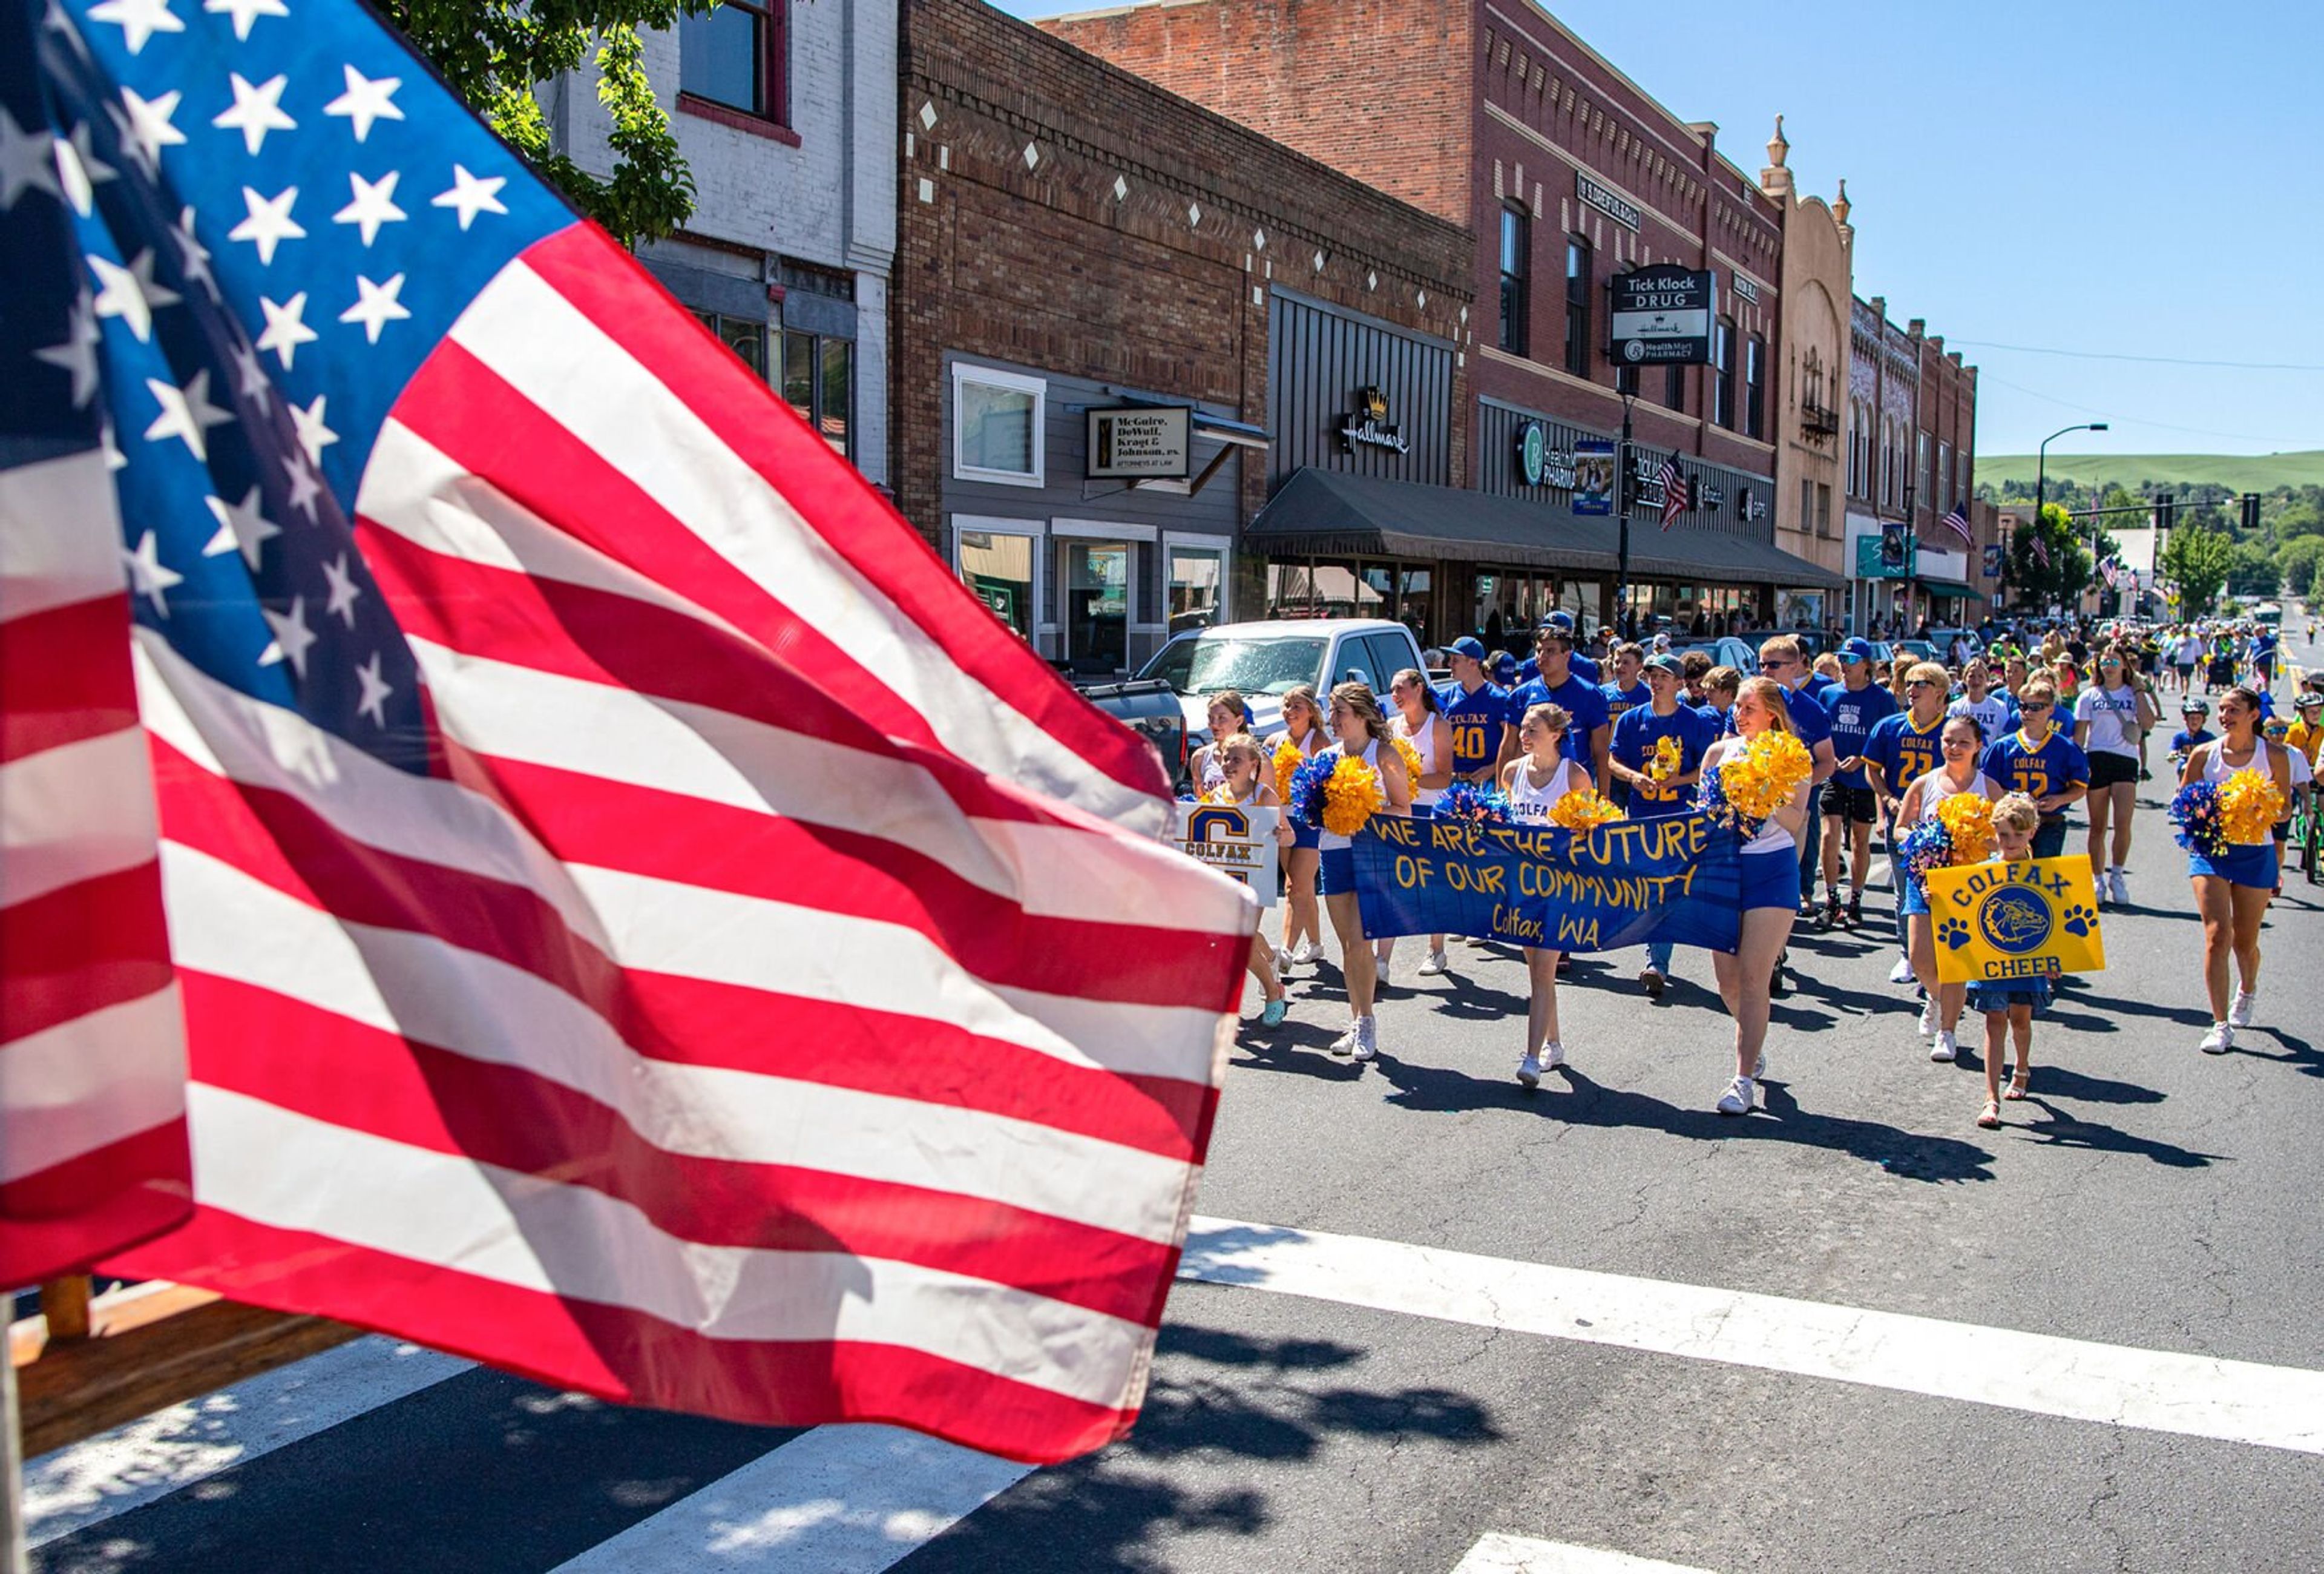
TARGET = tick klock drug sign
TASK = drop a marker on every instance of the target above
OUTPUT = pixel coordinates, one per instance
(1663, 315)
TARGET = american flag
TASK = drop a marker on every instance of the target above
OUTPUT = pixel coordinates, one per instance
(1956, 520)
(639, 923)
(1675, 491)
(2040, 548)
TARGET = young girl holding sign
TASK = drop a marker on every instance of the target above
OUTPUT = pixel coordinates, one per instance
(1356, 721)
(1534, 780)
(1962, 741)
(1245, 785)
(1770, 897)
(2010, 1004)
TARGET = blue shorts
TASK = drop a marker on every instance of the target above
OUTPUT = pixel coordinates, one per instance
(1305, 836)
(1915, 902)
(2239, 865)
(1336, 875)
(1771, 879)
(2033, 993)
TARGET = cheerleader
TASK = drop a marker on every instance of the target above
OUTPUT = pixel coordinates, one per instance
(1245, 785)
(2111, 721)
(1228, 717)
(2010, 1004)
(1420, 721)
(1303, 929)
(1963, 742)
(1770, 897)
(2232, 890)
(1534, 781)
(1356, 721)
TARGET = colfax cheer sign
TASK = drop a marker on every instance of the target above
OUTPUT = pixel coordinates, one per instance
(2027, 920)
(1622, 885)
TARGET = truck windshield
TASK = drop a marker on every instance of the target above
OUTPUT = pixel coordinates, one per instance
(1207, 664)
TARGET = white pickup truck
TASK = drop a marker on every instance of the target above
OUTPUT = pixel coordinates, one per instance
(1265, 660)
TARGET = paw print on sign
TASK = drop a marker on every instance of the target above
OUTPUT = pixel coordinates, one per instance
(2079, 920)
(1953, 932)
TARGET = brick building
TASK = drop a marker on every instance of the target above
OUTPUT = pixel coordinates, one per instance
(1497, 118)
(786, 118)
(1912, 458)
(1076, 242)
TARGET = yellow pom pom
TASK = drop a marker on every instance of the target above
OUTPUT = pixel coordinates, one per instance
(1667, 758)
(2250, 803)
(1351, 796)
(1968, 818)
(1288, 760)
(1411, 758)
(1583, 810)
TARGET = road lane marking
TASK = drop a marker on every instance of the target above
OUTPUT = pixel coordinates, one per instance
(838, 1500)
(2240, 1402)
(1501, 1554)
(85, 1482)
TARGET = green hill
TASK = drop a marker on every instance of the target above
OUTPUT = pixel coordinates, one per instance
(2237, 472)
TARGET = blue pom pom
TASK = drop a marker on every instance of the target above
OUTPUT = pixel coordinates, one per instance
(1926, 845)
(1307, 788)
(2202, 825)
(1467, 801)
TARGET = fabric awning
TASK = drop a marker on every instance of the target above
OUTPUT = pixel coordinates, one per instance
(1331, 513)
(1951, 587)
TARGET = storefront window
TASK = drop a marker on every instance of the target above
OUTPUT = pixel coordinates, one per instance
(1197, 578)
(818, 383)
(1411, 607)
(746, 339)
(1097, 606)
(997, 569)
(997, 426)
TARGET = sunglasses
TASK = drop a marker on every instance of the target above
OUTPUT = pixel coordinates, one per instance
(2036, 705)
(1920, 683)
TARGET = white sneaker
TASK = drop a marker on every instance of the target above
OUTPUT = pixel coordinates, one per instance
(2121, 887)
(1759, 1068)
(1367, 1038)
(1944, 1049)
(1553, 1055)
(2218, 1040)
(1901, 972)
(1435, 966)
(1741, 1096)
(1282, 961)
(1346, 1044)
(1929, 1020)
(2240, 1013)
(1529, 1072)
(1308, 953)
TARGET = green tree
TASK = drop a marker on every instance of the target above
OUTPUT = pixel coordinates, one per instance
(2197, 561)
(2300, 518)
(2297, 560)
(2068, 570)
(496, 53)
(2253, 571)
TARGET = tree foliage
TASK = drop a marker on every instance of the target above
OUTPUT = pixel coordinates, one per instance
(2296, 559)
(496, 55)
(2068, 572)
(2253, 571)
(2197, 561)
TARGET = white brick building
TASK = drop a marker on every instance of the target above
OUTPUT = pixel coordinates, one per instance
(786, 113)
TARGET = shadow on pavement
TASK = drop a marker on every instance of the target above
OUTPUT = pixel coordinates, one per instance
(2064, 1130)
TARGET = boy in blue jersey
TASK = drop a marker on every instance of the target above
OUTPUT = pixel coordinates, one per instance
(1625, 694)
(1582, 666)
(1587, 737)
(1851, 810)
(1900, 750)
(2196, 713)
(1637, 735)
(2044, 764)
(1477, 711)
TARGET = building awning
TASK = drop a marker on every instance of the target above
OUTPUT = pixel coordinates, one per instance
(1331, 513)
(1951, 587)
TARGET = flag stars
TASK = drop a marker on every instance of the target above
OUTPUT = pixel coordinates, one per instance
(130, 293)
(256, 111)
(306, 490)
(470, 196)
(242, 526)
(313, 435)
(139, 20)
(28, 162)
(145, 128)
(270, 223)
(344, 591)
(373, 700)
(194, 258)
(77, 356)
(376, 307)
(186, 413)
(373, 204)
(365, 101)
(250, 376)
(245, 14)
(148, 576)
(286, 327)
(292, 637)
(80, 172)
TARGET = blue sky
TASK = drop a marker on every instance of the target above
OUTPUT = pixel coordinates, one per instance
(2128, 178)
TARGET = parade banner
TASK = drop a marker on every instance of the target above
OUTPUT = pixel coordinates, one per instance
(1233, 840)
(1674, 879)
(2032, 919)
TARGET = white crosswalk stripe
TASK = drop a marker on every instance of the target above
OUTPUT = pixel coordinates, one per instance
(1502, 1554)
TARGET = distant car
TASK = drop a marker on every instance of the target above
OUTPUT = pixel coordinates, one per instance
(1918, 650)
(1726, 650)
(1264, 661)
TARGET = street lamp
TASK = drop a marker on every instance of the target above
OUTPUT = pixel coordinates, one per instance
(2041, 476)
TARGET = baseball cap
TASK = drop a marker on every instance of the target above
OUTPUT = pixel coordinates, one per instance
(1563, 620)
(1856, 650)
(1468, 645)
(1505, 668)
(1664, 661)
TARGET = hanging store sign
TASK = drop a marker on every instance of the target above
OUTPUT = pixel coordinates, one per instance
(1538, 464)
(1368, 425)
(1745, 288)
(1755, 507)
(1882, 557)
(1139, 444)
(1620, 212)
(1663, 314)
(1710, 499)
(1593, 477)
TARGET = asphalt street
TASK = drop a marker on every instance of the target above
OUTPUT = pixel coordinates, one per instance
(2147, 1197)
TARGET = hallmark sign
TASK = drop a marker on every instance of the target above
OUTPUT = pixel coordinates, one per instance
(1368, 426)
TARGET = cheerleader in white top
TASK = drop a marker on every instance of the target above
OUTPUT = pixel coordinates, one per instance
(1962, 742)
(1534, 780)
(1303, 928)
(1421, 722)
(1769, 900)
(2232, 891)
(1356, 721)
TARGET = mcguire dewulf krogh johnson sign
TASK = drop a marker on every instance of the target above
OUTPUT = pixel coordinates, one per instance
(1663, 314)
(1139, 444)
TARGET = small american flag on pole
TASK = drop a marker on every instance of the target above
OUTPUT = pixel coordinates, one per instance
(2040, 548)
(635, 919)
(1675, 491)
(1956, 520)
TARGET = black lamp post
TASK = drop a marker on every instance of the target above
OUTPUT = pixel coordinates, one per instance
(2041, 476)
